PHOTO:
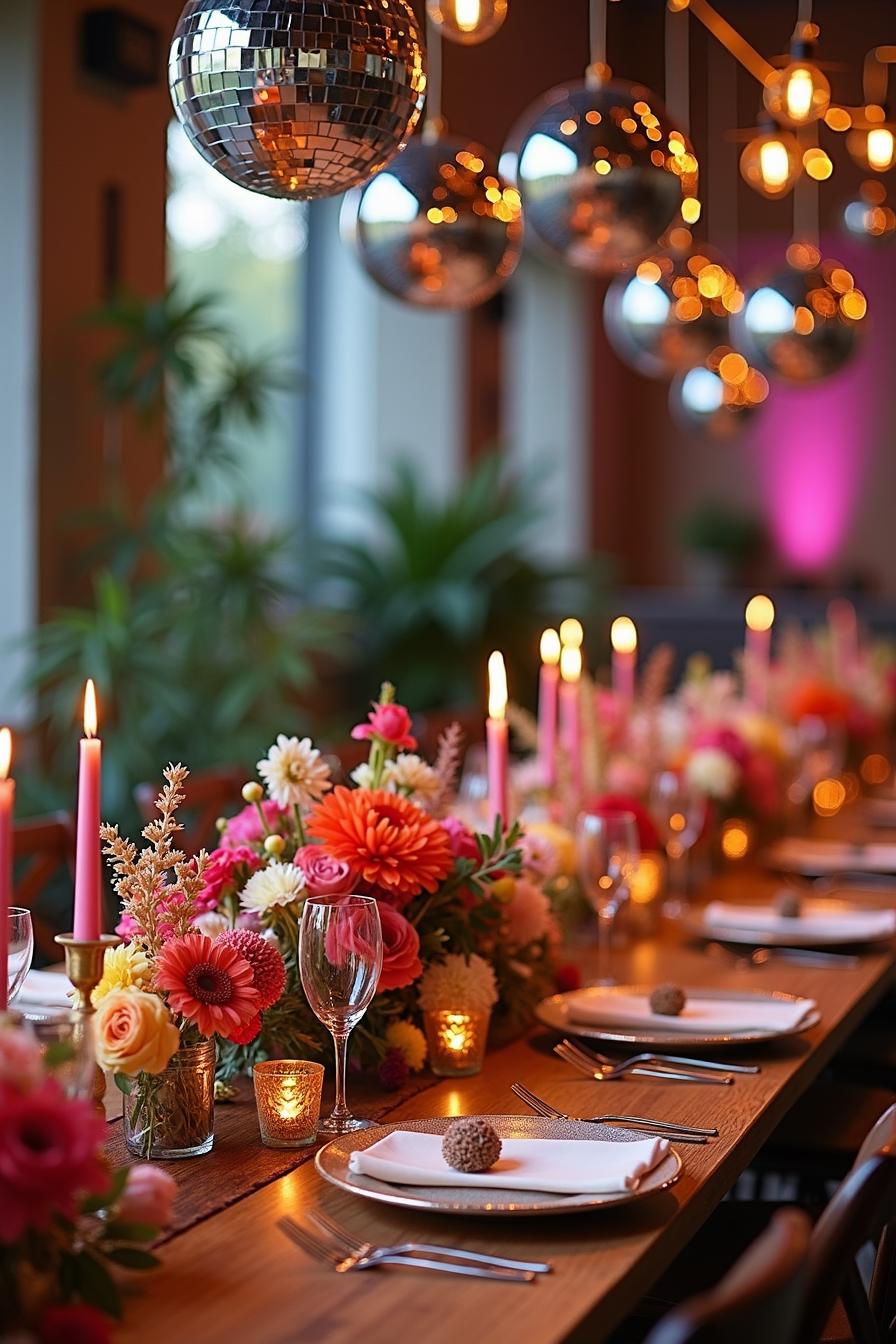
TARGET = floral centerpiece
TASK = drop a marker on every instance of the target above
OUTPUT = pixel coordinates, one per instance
(169, 992)
(67, 1220)
(442, 890)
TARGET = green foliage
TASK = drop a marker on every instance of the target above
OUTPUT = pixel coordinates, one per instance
(445, 581)
(196, 635)
(723, 530)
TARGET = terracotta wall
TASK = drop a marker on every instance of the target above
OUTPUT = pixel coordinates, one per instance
(93, 141)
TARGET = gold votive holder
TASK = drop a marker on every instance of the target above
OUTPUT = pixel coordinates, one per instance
(287, 1098)
(457, 1041)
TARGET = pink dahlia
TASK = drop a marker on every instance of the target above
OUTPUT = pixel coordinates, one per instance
(390, 722)
(210, 984)
(246, 828)
(268, 971)
(50, 1156)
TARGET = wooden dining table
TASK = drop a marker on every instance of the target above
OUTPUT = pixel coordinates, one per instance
(228, 1271)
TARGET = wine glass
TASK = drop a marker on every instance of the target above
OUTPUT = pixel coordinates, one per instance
(607, 851)
(340, 959)
(680, 812)
(20, 949)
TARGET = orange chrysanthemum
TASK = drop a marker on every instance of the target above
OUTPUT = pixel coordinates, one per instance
(391, 844)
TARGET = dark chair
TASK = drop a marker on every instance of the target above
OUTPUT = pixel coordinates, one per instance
(209, 794)
(760, 1301)
(44, 851)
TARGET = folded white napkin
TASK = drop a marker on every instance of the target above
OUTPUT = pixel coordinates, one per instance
(50, 989)
(556, 1166)
(700, 1016)
(832, 856)
(826, 919)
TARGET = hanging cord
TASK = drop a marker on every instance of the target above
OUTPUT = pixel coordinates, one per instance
(433, 121)
(678, 75)
(597, 71)
(805, 198)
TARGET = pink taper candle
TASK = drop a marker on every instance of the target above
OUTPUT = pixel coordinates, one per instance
(624, 638)
(7, 802)
(760, 617)
(570, 713)
(548, 680)
(88, 875)
(497, 739)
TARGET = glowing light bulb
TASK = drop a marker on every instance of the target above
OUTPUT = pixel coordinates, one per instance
(467, 13)
(880, 148)
(798, 94)
(467, 21)
(771, 163)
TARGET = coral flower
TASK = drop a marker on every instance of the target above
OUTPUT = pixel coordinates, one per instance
(393, 846)
(211, 984)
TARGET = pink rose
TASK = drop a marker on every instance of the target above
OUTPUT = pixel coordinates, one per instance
(463, 841)
(246, 828)
(324, 876)
(21, 1061)
(148, 1196)
(227, 869)
(401, 951)
(390, 722)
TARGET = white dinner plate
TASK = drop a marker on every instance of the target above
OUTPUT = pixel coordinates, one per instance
(799, 936)
(332, 1161)
(554, 1012)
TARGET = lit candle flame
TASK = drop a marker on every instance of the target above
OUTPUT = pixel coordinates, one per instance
(90, 709)
(497, 686)
(760, 613)
(570, 663)
(550, 648)
(624, 635)
(571, 632)
(5, 752)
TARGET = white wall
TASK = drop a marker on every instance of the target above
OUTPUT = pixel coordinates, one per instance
(18, 308)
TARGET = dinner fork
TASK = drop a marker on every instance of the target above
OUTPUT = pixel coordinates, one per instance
(353, 1246)
(603, 1070)
(344, 1263)
(712, 1065)
(664, 1129)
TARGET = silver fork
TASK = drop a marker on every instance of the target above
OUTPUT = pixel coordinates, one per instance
(664, 1129)
(605, 1071)
(691, 1066)
(353, 1246)
(345, 1263)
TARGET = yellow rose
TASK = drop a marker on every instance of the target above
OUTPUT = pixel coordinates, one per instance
(134, 1033)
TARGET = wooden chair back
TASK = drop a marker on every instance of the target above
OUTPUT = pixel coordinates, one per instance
(209, 794)
(42, 847)
(759, 1301)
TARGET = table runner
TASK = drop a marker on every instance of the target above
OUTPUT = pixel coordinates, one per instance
(239, 1164)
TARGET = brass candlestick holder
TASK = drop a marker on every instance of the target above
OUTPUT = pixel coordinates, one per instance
(84, 968)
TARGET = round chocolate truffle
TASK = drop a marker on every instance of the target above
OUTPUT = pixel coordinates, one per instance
(471, 1144)
(668, 1000)
(788, 904)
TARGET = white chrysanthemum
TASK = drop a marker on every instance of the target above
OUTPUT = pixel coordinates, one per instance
(363, 775)
(712, 772)
(410, 775)
(294, 772)
(527, 915)
(278, 884)
(457, 983)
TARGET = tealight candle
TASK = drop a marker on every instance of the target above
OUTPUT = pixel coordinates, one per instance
(456, 1040)
(287, 1098)
(759, 617)
(548, 681)
(497, 740)
(624, 639)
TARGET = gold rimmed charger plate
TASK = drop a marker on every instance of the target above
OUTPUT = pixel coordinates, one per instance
(695, 923)
(554, 1013)
(332, 1163)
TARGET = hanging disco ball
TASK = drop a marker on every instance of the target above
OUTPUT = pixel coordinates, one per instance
(467, 21)
(717, 400)
(870, 217)
(297, 100)
(802, 324)
(672, 312)
(602, 171)
(437, 228)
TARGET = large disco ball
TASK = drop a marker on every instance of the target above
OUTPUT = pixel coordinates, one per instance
(294, 99)
(706, 401)
(438, 227)
(602, 171)
(673, 311)
(802, 323)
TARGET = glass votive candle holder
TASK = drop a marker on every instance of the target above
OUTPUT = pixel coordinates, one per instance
(287, 1098)
(456, 1040)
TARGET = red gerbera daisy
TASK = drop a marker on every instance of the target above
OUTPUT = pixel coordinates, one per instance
(210, 984)
(393, 845)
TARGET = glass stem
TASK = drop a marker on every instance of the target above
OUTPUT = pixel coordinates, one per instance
(340, 1046)
(605, 917)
